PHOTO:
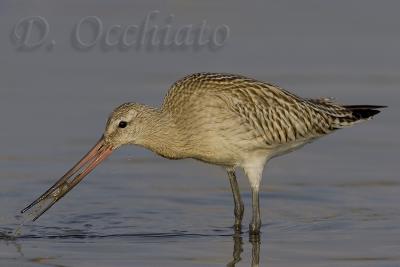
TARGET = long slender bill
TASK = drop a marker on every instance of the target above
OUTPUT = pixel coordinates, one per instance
(93, 158)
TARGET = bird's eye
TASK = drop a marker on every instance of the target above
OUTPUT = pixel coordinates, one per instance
(122, 124)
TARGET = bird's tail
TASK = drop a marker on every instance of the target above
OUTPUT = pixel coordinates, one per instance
(358, 113)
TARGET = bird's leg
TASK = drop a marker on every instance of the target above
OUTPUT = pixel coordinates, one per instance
(239, 207)
(254, 173)
(256, 218)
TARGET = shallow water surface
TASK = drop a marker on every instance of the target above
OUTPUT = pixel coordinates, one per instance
(147, 211)
(335, 202)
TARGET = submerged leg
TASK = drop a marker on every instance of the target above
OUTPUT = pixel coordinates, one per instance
(239, 207)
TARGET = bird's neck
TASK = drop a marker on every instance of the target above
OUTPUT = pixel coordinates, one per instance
(160, 134)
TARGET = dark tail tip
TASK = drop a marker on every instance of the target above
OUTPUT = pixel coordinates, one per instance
(364, 111)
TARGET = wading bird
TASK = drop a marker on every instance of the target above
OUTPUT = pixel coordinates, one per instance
(223, 119)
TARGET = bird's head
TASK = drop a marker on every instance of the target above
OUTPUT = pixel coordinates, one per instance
(127, 124)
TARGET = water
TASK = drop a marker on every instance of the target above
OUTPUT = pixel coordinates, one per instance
(335, 202)
(332, 203)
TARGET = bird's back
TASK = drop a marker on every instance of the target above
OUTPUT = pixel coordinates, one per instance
(242, 113)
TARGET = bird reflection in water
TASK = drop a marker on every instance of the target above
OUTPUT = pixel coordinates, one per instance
(238, 249)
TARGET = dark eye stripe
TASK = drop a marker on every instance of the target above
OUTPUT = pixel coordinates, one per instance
(122, 124)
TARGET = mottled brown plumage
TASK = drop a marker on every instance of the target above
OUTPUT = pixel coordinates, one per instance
(223, 119)
(210, 109)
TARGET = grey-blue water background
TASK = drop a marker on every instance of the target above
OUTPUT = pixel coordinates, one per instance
(333, 203)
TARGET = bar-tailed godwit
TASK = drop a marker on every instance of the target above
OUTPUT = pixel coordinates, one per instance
(227, 120)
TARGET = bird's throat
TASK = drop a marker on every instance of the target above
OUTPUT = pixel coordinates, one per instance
(161, 135)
